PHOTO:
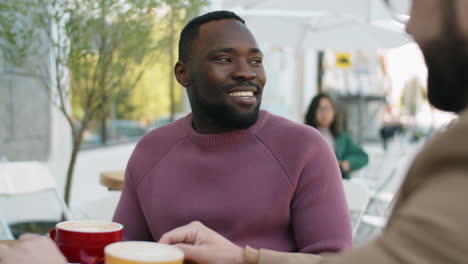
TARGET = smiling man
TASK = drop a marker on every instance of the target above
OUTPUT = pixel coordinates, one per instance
(254, 177)
(223, 73)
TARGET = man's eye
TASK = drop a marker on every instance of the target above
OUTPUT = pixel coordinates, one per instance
(256, 61)
(223, 59)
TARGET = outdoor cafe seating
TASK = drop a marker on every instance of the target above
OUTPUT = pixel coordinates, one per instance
(26, 178)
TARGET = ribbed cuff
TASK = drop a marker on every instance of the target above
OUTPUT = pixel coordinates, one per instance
(250, 255)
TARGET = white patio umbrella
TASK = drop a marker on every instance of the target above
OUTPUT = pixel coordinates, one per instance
(318, 24)
(357, 8)
(323, 32)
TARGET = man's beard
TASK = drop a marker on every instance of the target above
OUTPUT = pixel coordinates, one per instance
(221, 114)
(447, 64)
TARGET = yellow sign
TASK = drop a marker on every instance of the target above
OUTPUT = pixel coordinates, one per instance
(343, 60)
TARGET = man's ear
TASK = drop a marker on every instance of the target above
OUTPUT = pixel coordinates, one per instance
(182, 74)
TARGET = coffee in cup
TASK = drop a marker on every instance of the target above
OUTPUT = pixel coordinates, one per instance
(142, 252)
(89, 226)
(83, 241)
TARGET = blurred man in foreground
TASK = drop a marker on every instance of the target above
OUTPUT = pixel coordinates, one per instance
(430, 216)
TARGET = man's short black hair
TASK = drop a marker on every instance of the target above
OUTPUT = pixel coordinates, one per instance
(190, 31)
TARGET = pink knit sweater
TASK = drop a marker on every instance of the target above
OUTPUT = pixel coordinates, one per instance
(275, 185)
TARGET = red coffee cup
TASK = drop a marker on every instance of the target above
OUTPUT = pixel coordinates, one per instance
(83, 241)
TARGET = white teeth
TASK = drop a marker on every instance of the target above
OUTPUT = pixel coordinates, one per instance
(242, 94)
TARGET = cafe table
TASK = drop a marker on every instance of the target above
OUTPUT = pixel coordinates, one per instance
(7, 242)
(113, 180)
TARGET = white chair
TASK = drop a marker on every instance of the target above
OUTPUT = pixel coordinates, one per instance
(357, 197)
(383, 182)
(22, 178)
(375, 220)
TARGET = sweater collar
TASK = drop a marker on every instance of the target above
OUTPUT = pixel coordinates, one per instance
(227, 138)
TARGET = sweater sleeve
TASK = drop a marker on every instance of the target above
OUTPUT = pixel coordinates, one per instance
(354, 154)
(320, 218)
(129, 212)
(429, 228)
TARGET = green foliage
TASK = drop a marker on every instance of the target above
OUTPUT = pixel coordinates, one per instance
(16, 34)
(414, 95)
(139, 62)
(151, 96)
(110, 47)
(102, 52)
(104, 56)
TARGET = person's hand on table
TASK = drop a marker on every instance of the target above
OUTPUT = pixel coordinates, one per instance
(203, 245)
(31, 249)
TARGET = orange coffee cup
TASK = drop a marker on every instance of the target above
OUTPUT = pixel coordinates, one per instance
(142, 252)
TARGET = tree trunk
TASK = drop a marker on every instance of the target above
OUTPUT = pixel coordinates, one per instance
(71, 168)
(104, 129)
(171, 64)
(71, 165)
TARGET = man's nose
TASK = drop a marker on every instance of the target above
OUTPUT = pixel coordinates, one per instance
(243, 71)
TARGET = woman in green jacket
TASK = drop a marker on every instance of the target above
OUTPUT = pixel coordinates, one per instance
(322, 116)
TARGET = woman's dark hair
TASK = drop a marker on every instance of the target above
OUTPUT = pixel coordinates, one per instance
(311, 116)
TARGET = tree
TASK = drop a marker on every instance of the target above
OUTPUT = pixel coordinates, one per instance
(111, 48)
(158, 94)
(99, 50)
(179, 12)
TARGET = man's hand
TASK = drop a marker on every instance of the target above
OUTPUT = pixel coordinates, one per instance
(344, 164)
(31, 249)
(203, 245)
